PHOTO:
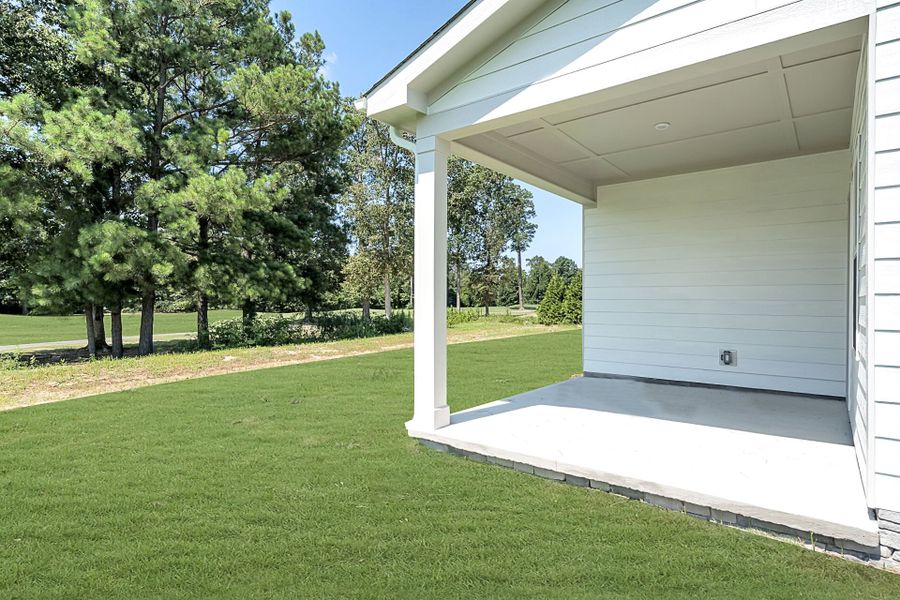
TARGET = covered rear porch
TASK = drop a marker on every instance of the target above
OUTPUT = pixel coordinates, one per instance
(723, 284)
(777, 462)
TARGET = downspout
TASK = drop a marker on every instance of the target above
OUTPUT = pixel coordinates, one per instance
(401, 141)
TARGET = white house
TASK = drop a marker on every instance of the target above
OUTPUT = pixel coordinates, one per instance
(738, 162)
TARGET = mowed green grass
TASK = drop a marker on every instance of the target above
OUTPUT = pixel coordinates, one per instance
(300, 482)
(18, 329)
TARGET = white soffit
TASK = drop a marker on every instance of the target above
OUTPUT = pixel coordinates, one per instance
(791, 104)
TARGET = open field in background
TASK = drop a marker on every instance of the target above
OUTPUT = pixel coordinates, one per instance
(22, 385)
(18, 329)
(301, 482)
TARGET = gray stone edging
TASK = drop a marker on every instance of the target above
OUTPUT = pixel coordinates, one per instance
(886, 557)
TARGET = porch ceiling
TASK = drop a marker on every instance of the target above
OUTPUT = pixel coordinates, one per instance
(791, 104)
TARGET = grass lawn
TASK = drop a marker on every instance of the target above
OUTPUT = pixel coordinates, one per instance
(18, 329)
(301, 482)
(25, 385)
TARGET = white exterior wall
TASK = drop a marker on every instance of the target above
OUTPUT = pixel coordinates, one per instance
(884, 227)
(750, 258)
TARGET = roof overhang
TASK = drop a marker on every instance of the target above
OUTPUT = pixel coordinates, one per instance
(402, 95)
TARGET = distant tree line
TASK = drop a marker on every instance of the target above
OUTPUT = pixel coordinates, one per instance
(188, 155)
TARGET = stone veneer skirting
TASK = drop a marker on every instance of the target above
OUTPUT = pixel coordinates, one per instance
(889, 532)
(886, 557)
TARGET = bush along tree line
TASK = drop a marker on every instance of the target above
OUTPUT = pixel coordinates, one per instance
(176, 154)
(561, 303)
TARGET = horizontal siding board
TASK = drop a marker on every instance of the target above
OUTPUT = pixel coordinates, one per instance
(670, 333)
(702, 248)
(886, 207)
(887, 241)
(887, 63)
(887, 277)
(679, 268)
(763, 293)
(887, 169)
(747, 366)
(734, 234)
(887, 348)
(764, 352)
(887, 389)
(887, 421)
(887, 490)
(807, 308)
(748, 262)
(888, 132)
(888, 28)
(887, 96)
(722, 277)
(761, 322)
(835, 211)
(726, 202)
(887, 310)
(887, 452)
(718, 377)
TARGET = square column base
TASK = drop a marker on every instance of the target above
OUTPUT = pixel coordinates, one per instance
(436, 419)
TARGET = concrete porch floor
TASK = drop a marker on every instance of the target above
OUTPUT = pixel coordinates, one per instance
(778, 458)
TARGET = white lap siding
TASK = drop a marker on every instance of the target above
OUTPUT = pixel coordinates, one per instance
(884, 319)
(751, 259)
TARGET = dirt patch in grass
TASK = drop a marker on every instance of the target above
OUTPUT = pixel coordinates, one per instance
(29, 386)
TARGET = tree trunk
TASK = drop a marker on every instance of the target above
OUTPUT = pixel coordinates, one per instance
(488, 280)
(203, 321)
(115, 317)
(308, 317)
(366, 309)
(387, 295)
(148, 302)
(521, 285)
(458, 287)
(91, 334)
(100, 328)
(148, 306)
(412, 292)
(248, 315)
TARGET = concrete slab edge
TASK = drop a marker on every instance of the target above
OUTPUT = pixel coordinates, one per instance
(883, 557)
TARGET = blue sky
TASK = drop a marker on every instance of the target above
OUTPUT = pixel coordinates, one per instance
(364, 43)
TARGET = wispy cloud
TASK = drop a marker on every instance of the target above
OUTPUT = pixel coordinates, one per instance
(331, 59)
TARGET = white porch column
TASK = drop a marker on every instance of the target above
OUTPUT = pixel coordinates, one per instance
(430, 355)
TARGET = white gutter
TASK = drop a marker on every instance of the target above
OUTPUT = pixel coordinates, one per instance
(401, 141)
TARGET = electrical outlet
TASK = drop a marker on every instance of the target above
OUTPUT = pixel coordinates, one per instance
(728, 358)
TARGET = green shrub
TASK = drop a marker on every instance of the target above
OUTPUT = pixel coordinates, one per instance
(549, 311)
(571, 306)
(464, 315)
(562, 302)
(282, 330)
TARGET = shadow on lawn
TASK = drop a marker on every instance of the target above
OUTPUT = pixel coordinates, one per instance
(56, 356)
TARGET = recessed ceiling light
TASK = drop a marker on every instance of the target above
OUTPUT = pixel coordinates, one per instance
(662, 126)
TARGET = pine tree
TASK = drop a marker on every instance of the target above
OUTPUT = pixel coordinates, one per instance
(571, 306)
(550, 310)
